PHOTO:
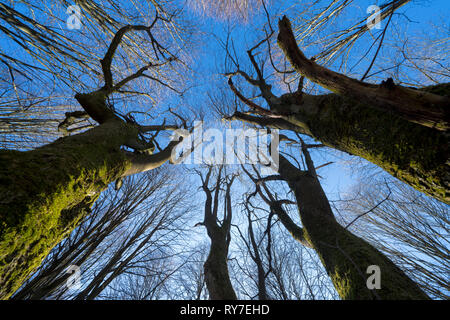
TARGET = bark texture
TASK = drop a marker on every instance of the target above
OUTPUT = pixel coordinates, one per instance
(416, 155)
(44, 194)
(344, 255)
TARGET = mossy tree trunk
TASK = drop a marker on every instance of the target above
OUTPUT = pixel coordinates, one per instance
(345, 256)
(416, 155)
(44, 193)
(424, 108)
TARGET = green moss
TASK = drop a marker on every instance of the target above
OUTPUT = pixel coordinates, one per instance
(346, 258)
(46, 192)
(442, 89)
(414, 154)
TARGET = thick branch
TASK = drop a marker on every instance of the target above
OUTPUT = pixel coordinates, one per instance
(107, 59)
(251, 104)
(161, 127)
(94, 103)
(275, 123)
(296, 232)
(145, 162)
(424, 108)
(71, 118)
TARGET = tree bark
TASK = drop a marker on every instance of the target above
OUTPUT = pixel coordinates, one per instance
(345, 256)
(416, 155)
(424, 108)
(400, 129)
(44, 193)
(216, 269)
(256, 257)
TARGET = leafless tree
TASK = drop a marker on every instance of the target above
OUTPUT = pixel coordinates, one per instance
(410, 228)
(253, 243)
(267, 263)
(189, 283)
(298, 273)
(128, 237)
(216, 268)
(72, 182)
(70, 126)
(43, 62)
(345, 256)
(395, 131)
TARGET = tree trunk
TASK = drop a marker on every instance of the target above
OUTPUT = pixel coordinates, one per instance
(416, 155)
(424, 108)
(390, 125)
(401, 129)
(216, 269)
(44, 194)
(345, 256)
(256, 257)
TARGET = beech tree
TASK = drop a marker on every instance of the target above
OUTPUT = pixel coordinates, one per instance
(216, 268)
(402, 130)
(345, 256)
(46, 192)
(48, 186)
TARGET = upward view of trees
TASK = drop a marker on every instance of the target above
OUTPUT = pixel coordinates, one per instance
(99, 101)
